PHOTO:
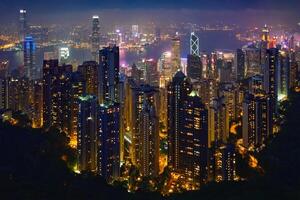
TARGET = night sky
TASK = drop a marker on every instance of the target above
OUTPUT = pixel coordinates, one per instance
(48, 7)
(129, 4)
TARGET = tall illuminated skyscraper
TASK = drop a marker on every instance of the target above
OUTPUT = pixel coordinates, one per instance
(87, 139)
(194, 44)
(271, 77)
(109, 141)
(95, 38)
(175, 53)
(22, 25)
(31, 70)
(109, 62)
(193, 139)
(178, 91)
(144, 102)
(78, 89)
(147, 132)
(284, 75)
(265, 34)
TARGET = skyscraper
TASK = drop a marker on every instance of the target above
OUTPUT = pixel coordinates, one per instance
(31, 70)
(283, 75)
(56, 94)
(239, 64)
(149, 141)
(175, 53)
(95, 38)
(109, 62)
(271, 78)
(87, 139)
(109, 140)
(3, 93)
(194, 67)
(218, 121)
(194, 45)
(265, 34)
(50, 67)
(77, 90)
(22, 25)
(178, 91)
(257, 123)
(90, 73)
(193, 139)
(144, 102)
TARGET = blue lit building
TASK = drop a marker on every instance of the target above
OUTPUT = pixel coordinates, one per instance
(31, 70)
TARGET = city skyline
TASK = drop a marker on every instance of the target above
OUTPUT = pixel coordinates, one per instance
(164, 105)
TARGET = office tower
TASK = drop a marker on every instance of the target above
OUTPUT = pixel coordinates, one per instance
(109, 62)
(95, 38)
(256, 85)
(87, 140)
(257, 120)
(78, 89)
(3, 94)
(148, 155)
(283, 75)
(90, 72)
(225, 163)
(152, 75)
(164, 65)
(218, 121)
(271, 78)
(31, 70)
(265, 34)
(22, 25)
(178, 91)
(37, 104)
(193, 139)
(194, 67)
(239, 64)
(194, 45)
(64, 54)
(109, 141)
(175, 53)
(252, 61)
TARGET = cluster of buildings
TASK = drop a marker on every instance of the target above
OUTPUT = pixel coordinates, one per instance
(114, 119)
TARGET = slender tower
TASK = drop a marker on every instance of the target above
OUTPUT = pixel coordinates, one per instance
(95, 38)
